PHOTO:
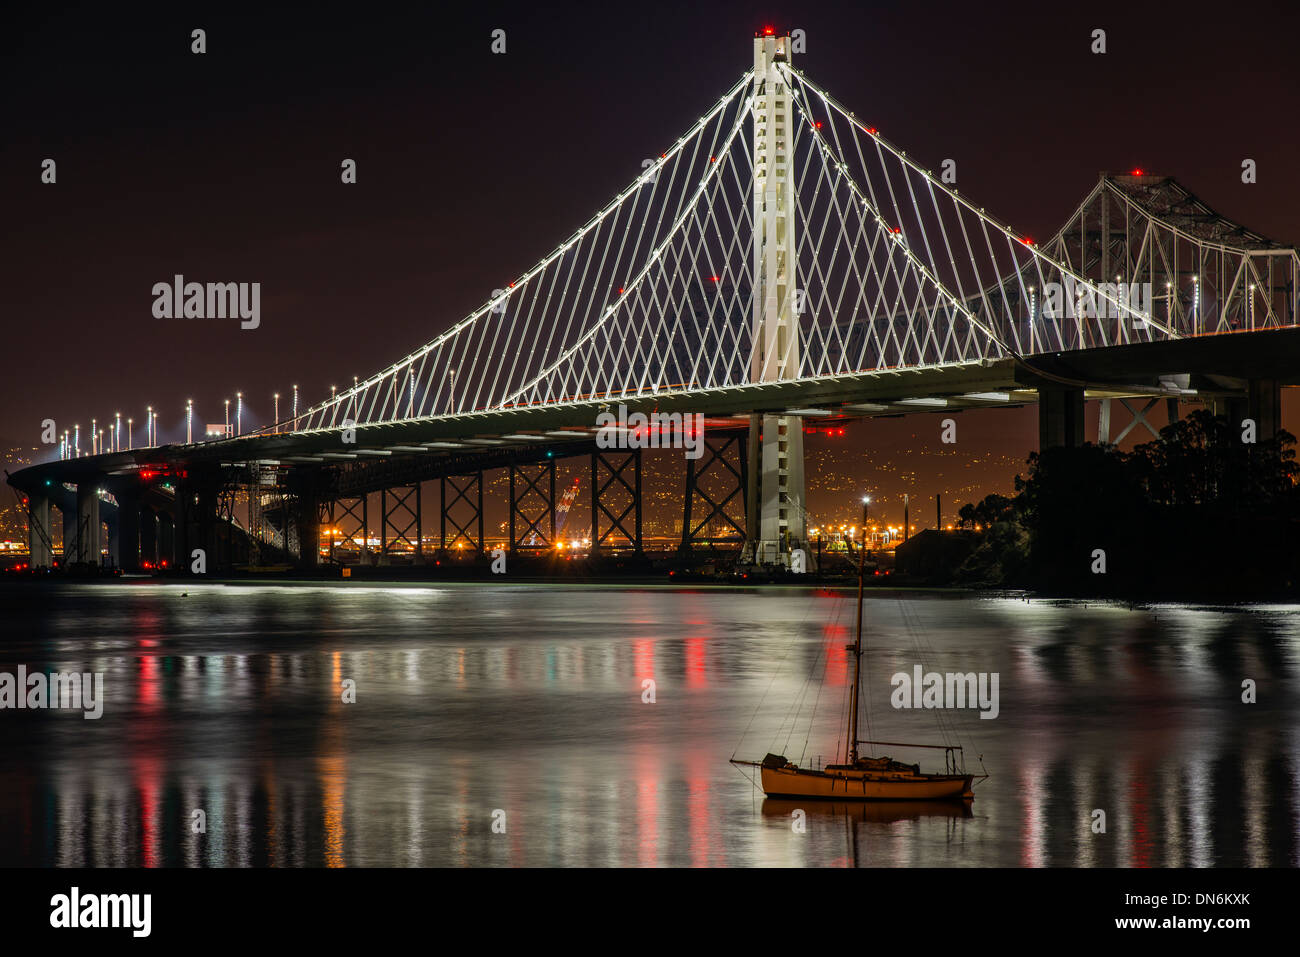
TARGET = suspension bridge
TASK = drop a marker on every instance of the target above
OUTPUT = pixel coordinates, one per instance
(781, 261)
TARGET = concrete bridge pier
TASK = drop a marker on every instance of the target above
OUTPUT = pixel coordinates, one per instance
(308, 521)
(207, 529)
(148, 550)
(194, 525)
(165, 548)
(174, 537)
(306, 517)
(1060, 417)
(1263, 404)
(90, 537)
(68, 516)
(40, 542)
(124, 530)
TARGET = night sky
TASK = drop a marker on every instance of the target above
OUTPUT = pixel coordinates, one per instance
(472, 166)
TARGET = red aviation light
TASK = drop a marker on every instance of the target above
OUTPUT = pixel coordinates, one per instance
(1027, 241)
(1137, 172)
(872, 130)
(768, 31)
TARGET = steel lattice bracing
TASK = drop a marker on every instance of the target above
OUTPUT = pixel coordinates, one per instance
(1205, 273)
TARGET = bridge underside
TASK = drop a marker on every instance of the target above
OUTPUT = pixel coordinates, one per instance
(1219, 365)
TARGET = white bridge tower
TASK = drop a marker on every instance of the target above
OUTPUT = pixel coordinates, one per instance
(776, 519)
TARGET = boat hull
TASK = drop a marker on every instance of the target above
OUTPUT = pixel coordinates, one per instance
(852, 785)
(866, 812)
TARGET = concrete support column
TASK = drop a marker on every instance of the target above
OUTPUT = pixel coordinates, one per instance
(69, 517)
(148, 552)
(169, 544)
(40, 543)
(207, 530)
(1060, 417)
(113, 527)
(1264, 405)
(308, 519)
(124, 534)
(176, 542)
(90, 540)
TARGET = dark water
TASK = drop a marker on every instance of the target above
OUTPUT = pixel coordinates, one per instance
(528, 700)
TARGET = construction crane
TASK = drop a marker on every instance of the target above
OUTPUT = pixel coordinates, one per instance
(561, 512)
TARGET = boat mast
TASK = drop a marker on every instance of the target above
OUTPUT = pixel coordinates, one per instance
(857, 643)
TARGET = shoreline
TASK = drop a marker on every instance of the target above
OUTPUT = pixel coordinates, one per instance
(658, 584)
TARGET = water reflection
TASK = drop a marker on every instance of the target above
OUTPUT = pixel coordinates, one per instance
(473, 700)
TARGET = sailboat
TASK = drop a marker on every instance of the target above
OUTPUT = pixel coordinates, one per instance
(865, 778)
